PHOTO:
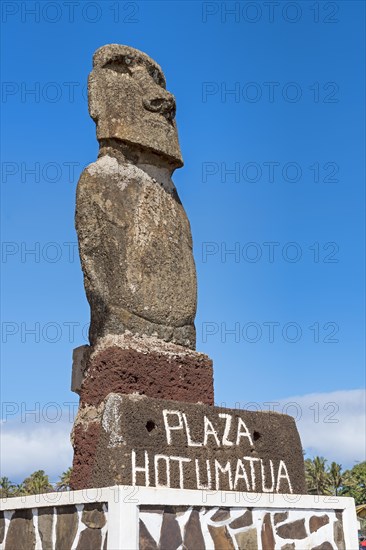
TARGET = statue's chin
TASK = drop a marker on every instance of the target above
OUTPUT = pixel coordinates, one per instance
(154, 134)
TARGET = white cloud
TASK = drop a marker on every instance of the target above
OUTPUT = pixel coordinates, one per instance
(25, 449)
(332, 425)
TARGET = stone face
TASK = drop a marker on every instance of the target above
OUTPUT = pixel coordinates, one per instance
(128, 101)
(243, 521)
(294, 530)
(247, 540)
(45, 525)
(215, 447)
(193, 537)
(316, 522)
(21, 535)
(93, 515)
(268, 541)
(90, 539)
(66, 527)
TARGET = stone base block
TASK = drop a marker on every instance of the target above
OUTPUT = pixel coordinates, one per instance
(148, 366)
(136, 440)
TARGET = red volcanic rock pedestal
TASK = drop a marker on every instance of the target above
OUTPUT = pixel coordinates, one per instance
(146, 417)
(129, 364)
(136, 440)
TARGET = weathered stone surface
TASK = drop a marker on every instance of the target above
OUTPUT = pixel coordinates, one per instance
(21, 535)
(79, 357)
(136, 253)
(106, 543)
(288, 546)
(149, 367)
(2, 526)
(221, 538)
(134, 236)
(268, 540)
(45, 526)
(93, 515)
(66, 527)
(316, 522)
(146, 542)
(90, 539)
(129, 102)
(85, 439)
(193, 537)
(279, 517)
(221, 515)
(324, 546)
(136, 432)
(243, 521)
(339, 535)
(294, 530)
(170, 535)
(247, 540)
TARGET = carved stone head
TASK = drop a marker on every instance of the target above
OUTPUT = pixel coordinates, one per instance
(129, 102)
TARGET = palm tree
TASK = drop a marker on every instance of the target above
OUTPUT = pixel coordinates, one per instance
(317, 477)
(336, 477)
(64, 483)
(19, 490)
(37, 483)
(6, 487)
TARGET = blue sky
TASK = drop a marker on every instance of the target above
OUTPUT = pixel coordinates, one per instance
(270, 112)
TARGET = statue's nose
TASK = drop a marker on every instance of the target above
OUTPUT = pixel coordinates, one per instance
(165, 105)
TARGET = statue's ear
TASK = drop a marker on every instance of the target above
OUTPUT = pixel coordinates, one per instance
(92, 95)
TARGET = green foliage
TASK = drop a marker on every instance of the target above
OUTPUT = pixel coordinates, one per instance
(64, 483)
(355, 483)
(37, 483)
(324, 480)
(320, 478)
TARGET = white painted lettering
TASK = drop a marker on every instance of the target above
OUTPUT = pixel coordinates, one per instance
(198, 477)
(264, 488)
(144, 469)
(224, 470)
(210, 430)
(167, 470)
(242, 475)
(251, 460)
(284, 475)
(180, 464)
(189, 440)
(245, 433)
(228, 419)
(169, 428)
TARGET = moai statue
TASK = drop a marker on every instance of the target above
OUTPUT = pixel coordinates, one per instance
(146, 414)
(135, 247)
(134, 236)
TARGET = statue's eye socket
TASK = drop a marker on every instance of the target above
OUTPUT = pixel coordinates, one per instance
(119, 65)
(156, 76)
